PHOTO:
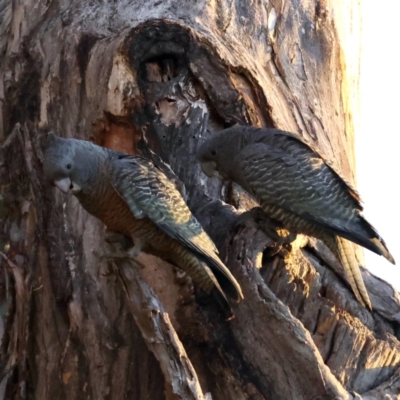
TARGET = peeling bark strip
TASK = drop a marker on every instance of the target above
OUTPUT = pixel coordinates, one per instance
(156, 78)
(160, 336)
(13, 358)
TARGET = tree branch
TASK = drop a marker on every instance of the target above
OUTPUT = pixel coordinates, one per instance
(273, 341)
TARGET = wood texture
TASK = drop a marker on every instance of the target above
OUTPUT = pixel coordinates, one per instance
(156, 78)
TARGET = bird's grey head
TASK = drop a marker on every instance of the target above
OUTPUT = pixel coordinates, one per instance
(68, 163)
(219, 151)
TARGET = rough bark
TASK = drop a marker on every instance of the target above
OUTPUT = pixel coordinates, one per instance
(156, 78)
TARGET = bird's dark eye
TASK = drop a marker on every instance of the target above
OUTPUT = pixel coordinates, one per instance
(69, 166)
(213, 152)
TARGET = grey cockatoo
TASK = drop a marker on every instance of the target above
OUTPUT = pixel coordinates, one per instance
(296, 186)
(133, 197)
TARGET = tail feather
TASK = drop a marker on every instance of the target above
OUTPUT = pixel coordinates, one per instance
(342, 250)
(225, 278)
(372, 241)
(219, 295)
(352, 271)
(203, 276)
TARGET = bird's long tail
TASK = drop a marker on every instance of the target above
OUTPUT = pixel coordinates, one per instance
(203, 277)
(345, 254)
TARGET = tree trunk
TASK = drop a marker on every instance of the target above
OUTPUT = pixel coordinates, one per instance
(155, 78)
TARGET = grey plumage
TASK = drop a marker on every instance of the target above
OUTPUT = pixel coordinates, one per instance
(296, 186)
(133, 197)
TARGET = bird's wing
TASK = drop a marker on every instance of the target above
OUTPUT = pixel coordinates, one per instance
(146, 189)
(290, 175)
(293, 138)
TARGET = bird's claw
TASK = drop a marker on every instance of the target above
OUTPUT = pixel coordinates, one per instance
(118, 239)
(121, 248)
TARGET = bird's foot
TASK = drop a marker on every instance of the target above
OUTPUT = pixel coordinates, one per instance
(120, 247)
(134, 252)
(118, 240)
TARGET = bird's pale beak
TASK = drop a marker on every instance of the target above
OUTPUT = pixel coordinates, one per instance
(209, 168)
(66, 185)
(63, 184)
